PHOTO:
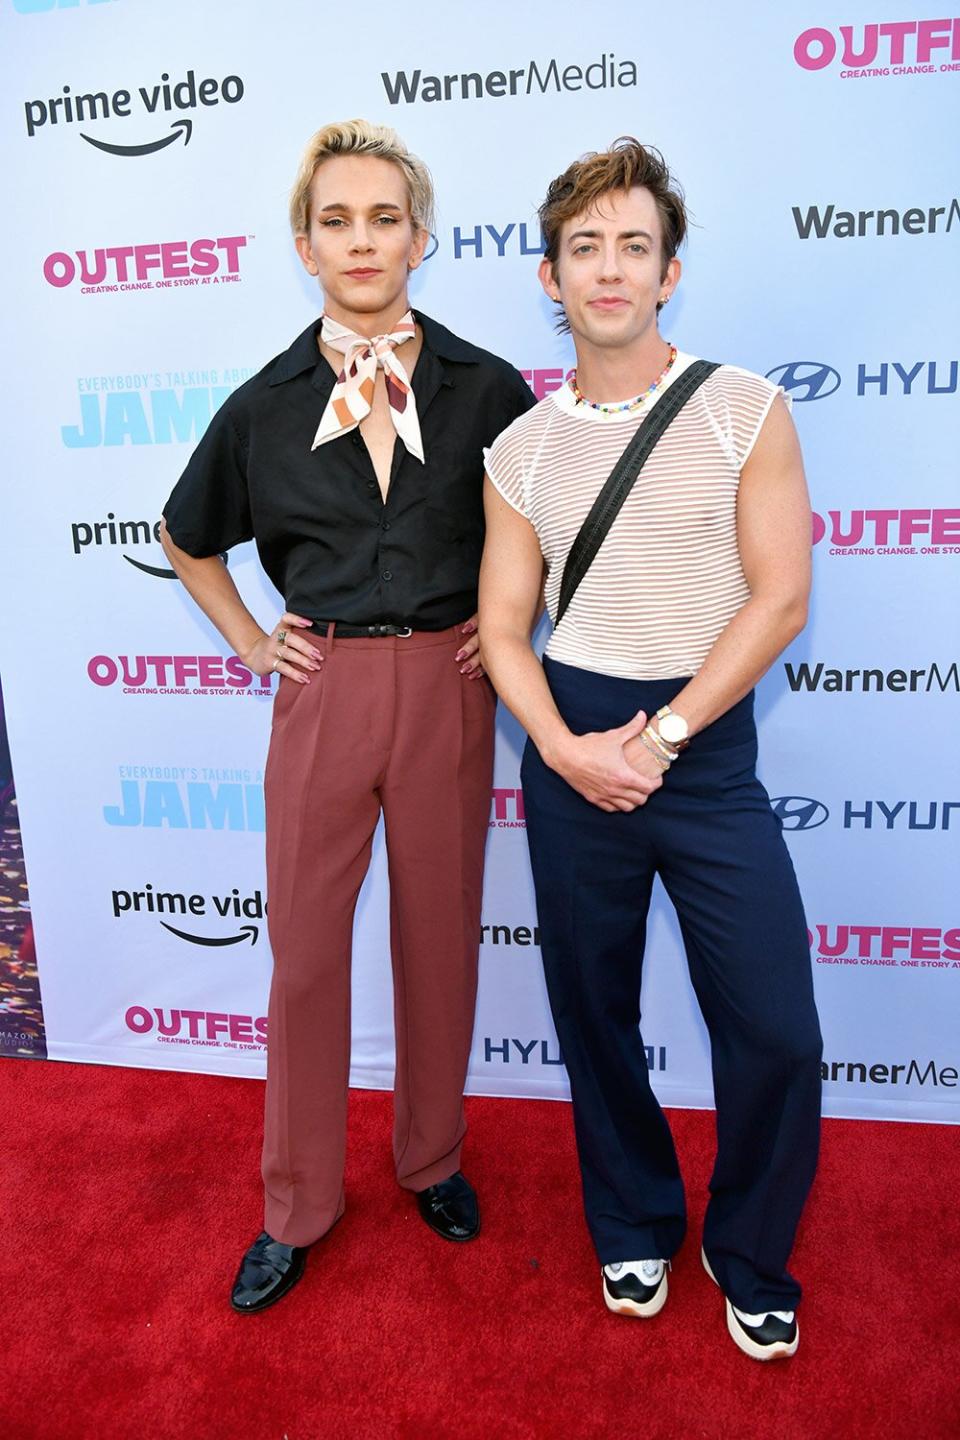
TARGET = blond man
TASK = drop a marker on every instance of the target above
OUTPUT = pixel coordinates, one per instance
(354, 459)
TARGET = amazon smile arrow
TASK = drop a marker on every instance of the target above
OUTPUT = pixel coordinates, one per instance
(186, 126)
(247, 932)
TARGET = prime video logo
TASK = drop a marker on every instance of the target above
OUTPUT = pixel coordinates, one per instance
(167, 95)
(123, 533)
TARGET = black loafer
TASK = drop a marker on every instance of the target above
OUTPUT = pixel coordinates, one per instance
(451, 1208)
(267, 1271)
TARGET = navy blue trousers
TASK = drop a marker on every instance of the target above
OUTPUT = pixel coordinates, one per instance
(710, 834)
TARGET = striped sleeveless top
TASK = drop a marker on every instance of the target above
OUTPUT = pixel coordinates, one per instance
(667, 578)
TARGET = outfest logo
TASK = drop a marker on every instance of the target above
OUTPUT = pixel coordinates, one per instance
(157, 99)
(545, 382)
(932, 531)
(158, 265)
(216, 1029)
(178, 675)
(506, 810)
(911, 947)
(894, 48)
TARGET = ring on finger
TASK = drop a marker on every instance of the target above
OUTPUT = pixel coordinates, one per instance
(281, 637)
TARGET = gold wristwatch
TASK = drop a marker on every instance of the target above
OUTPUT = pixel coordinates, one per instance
(672, 727)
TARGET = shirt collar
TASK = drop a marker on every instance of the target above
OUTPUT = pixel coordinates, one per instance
(303, 354)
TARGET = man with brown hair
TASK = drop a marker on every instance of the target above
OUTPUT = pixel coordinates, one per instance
(677, 570)
(354, 459)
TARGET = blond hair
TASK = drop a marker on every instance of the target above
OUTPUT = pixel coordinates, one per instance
(360, 137)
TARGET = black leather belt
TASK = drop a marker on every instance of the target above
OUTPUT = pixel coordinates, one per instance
(362, 632)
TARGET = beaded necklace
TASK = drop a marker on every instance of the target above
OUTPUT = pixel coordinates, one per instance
(626, 405)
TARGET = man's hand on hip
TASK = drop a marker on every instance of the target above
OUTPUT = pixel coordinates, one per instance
(284, 651)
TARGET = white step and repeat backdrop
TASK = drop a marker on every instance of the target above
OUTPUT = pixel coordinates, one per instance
(149, 270)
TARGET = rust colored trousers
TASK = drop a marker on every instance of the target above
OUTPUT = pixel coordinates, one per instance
(387, 724)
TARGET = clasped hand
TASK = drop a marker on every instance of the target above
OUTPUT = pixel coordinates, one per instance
(613, 769)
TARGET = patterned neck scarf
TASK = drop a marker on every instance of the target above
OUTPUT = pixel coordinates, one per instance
(352, 395)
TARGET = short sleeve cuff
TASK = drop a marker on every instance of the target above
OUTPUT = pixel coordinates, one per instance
(503, 488)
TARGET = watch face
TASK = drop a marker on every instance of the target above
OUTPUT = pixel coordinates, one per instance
(673, 728)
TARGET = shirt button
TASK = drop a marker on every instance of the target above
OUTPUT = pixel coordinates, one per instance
(385, 525)
(371, 485)
(356, 439)
(386, 575)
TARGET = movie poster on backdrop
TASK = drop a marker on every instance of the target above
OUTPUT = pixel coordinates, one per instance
(21, 1005)
(164, 277)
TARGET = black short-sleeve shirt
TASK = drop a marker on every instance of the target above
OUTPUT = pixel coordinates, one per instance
(327, 540)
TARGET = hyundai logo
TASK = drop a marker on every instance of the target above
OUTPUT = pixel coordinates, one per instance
(799, 812)
(806, 379)
(432, 248)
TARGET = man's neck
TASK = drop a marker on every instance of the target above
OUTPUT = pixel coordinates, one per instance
(380, 323)
(609, 374)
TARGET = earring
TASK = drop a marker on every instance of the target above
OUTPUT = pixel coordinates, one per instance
(664, 299)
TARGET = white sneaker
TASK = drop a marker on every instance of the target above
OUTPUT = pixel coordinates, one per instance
(635, 1287)
(772, 1336)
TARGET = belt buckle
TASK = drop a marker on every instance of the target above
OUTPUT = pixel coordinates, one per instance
(404, 633)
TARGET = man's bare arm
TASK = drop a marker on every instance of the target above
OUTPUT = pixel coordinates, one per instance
(511, 589)
(774, 539)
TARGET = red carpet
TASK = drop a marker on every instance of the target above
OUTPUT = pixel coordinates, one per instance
(128, 1197)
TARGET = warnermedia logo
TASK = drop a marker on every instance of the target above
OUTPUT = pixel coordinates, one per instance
(858, 1072)
(832, 681)
(604, 73)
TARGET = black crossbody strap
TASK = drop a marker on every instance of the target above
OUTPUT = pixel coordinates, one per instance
(623, 477)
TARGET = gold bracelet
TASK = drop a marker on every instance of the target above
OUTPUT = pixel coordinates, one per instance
(657, 755)
(666, 750)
